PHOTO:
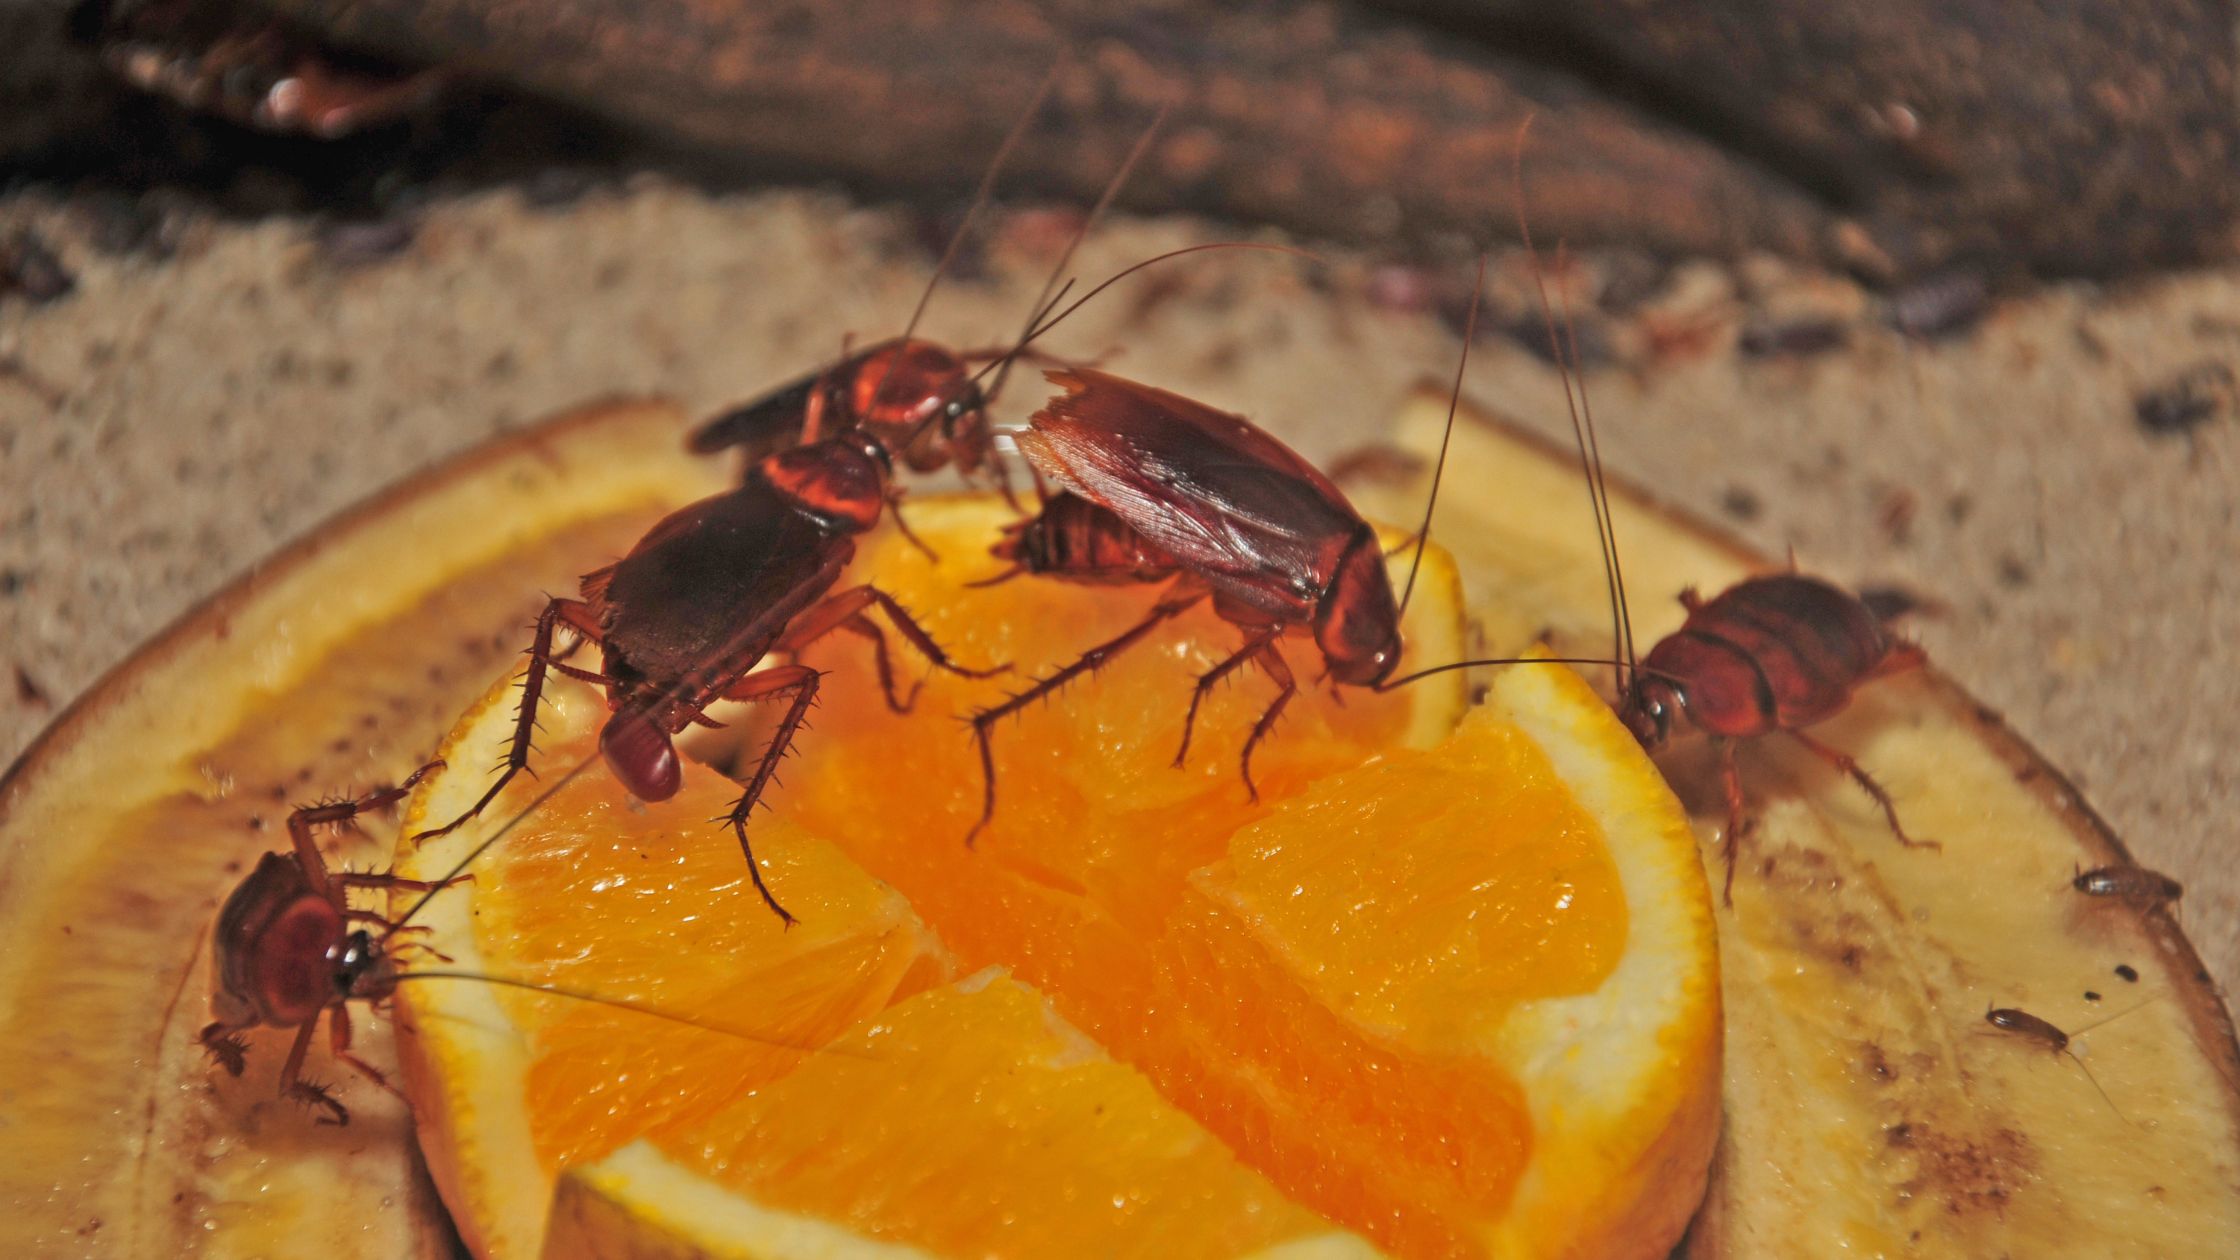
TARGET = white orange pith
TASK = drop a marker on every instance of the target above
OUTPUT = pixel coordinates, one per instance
(1455, 999)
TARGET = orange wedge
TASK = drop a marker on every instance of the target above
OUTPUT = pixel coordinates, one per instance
(1450, 989)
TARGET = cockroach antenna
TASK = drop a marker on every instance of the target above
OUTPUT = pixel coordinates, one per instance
(1446, 436)
(980, 200)
(1051, 293)
(1565, 350)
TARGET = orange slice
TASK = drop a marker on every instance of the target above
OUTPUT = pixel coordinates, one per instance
(1108, 1167)
(1457, 997)
(601, 895)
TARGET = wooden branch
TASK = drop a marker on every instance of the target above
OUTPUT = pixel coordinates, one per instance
(1895, 136)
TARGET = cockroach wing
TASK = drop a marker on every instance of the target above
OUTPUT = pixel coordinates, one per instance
(1213, 490)
(766, 425)
(271, 889)
(1809, 642)
(705, 593)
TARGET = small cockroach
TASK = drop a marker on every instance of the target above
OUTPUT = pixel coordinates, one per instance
(2021, 1023)
(288, 948)
(2188, 400)
(2135, 884)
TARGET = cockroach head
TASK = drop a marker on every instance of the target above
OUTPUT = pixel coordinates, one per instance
(362, 968)
(1647, 709)
(1357, 622)
(912, 383)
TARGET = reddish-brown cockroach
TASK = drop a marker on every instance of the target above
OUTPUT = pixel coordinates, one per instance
(688, 614)
(2135, 884)
(686, 617)
(1160, 488)
(1172, 488)
(285, 952)
(288, 947)
(922, 400)
(903, 391)
(1772, 654)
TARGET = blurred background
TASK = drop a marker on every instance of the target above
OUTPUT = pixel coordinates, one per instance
(1940, 295)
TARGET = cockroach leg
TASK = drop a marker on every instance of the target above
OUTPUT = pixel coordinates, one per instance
(338, 1043)
(1843, 762)
(909, 535)
(909, 628)
(800, 682)
(845, 612)
(315, 1095)
(382, 879)
(1738, 815)
(1272, 663)
(577, 616)
(1178, 598)
(309, 1093)
(430, 950)
(225, 1047)
(302, 820)
(865, 627)
(559, 666)
(1207, 681)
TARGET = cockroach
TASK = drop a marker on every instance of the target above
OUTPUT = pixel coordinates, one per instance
(2135, 884)
(2185, 402)
(1772, 654)
(1167, 488)
(912, 391)
(2021, 1023)
(1161, 488)
(686, 617)
(1769, 338)
(1944, 305)
(288, 948)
